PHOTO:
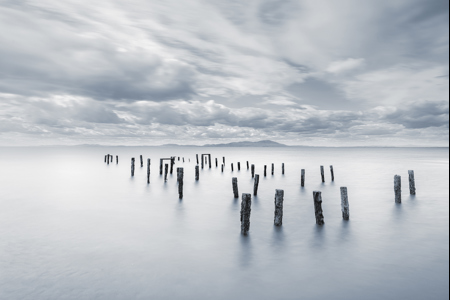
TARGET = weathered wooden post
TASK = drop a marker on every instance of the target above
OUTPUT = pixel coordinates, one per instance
(303, 177)
(223, 158)
(246, 207)
(255, 185)
(253, 171)
(197, 172)
(232, 168)
(196, 155)
(239, 166)
(345, 206)
(160, 166)
(180, 182)
(172, 163)
(332, 173)
(273, 169)
(178, 158)
(106, 156)
(318, 208)
(322, 173)
(222, 167)
(209, 160)
(148, 170)
(235, 187)
(203, 162)
(282, 168)
(112, 158)
(279, 198)
(166, 170)
(217, 162)
(265, 170)
(247, 165)
(132, 166)
(108, 160)
(398, 188)
(142, 161)
(412, 182)
(183, 159)
(117, 159)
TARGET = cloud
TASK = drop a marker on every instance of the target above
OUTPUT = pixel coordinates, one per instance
(342, 66)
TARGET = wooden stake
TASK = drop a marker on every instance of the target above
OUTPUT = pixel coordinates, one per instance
(166, 170)
(344, 204)
(303, 177)
(148, 170)
(234, 182)
(318, 208)
(196, 155)
(255, 185)
(273, 169)
(222, 167)
(223, 158)
(282, 168)
(253, 171)
(209, 160)
(106, 156)
(172, 163)
(161, 166)
(117, 159)
(108, 160)
(279, 198)
(246, 207)
(180, 182)
(322, 173)
(217, 162)
(132, 166)
(332, 173)
(197, 172)
(239, 166)
(398, 188)
(247, 165)
(265, 170)
(412, 182)
(142, 161)
(232, 168)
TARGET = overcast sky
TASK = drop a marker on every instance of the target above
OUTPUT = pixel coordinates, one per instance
(149, 72)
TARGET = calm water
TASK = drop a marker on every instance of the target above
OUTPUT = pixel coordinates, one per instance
(72, 227)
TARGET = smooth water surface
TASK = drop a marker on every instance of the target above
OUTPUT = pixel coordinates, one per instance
(73, 227)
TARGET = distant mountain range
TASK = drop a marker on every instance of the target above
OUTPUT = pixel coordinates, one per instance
(265, 143)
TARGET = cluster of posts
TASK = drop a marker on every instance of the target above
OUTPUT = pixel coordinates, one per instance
(205, 159)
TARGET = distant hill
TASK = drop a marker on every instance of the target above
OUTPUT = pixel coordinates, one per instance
(265, 143)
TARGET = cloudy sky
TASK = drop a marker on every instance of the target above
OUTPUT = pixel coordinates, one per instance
(149, 72)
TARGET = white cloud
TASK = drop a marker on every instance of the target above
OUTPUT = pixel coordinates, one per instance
(342, 66)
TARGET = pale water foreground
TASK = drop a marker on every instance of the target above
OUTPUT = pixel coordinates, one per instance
(72, 227)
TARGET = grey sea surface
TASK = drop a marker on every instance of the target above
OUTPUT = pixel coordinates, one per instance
(73, 227)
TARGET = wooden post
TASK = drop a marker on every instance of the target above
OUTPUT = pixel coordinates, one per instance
(112, 158)
(246, 207)
(235, 187)
(412, 182)
(148, 170)
(142, 161)
(217, 163)
(117, 159)
(398, 188)
(203, 162)
(303, 177)
(322, 173)
(166, 170)
(197, 172)
(196, 155)
(279, 198)
(332, 173)
(183, 159)
(282, 168)
(222, 167)
(239, 166)
(209, 160)
(223, 158)
(273, 169)
(344, 204)
(265, 170)
(160, 166)
(232, 168)
(106, 156)
(108, 160)
(247, 165)
(253, 171)
(255, 185)
(172, 163)
(318, 207)
(180, 182)
(132, 166)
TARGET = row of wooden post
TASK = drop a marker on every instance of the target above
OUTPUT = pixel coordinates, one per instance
(109, 158)
(398, 186)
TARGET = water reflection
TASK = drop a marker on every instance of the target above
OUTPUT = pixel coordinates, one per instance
(246, 256)
(278, 237)
(318, 237)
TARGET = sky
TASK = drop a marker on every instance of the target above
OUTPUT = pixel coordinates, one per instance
(299, 72)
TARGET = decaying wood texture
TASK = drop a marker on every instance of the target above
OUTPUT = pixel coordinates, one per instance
(279, 198)
(234, 183)
(320, 220)
(255, 185)
(132, 166)
(322, 173)
(332, 173)
(303, 177)
(197, 172)
(398, 188)
(246, 207)
(345, 206)
(412, 182)
(148, 170)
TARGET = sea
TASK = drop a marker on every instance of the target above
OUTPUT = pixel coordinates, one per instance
(75, 227)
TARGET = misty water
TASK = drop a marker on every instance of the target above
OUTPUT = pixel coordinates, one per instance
(73, 227)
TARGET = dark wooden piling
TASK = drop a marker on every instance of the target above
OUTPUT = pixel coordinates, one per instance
(246, 207)
(132, 166)
(345, 206)
(112, 158)
(412, 182)
(234, 183)
(178, 158)
(282, 169)
(398, 188)
(183, 159)
(203, 162)
(117, 159)
(232, 168)
(239, 166)
(303, 177)
(222, 167)
(197, 172)
(248, 167)
(142, 161)
(279, 198)
(318, 208)
(265, 170)
(273, 169)
(148, 170)
(108, 160)
(255, 185)
(217, 162)
(166, 171)
(172, 163)
(332, 173)
(180, 182)
(253, 171)
(106, 156)
(161, 166)
(196, 155)
(209, 160)
(223, 159)
(322, 173)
